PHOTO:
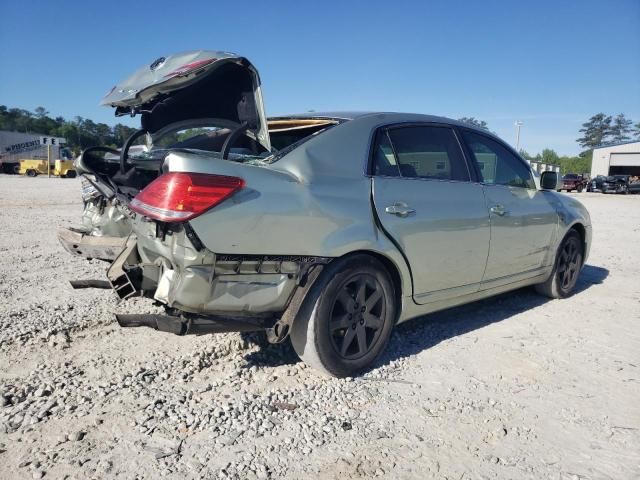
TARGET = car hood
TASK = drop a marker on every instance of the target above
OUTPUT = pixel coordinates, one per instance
(201, 84)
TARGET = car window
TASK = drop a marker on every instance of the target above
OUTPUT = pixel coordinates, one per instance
(384, 161)
(428, 152)
(498, 165)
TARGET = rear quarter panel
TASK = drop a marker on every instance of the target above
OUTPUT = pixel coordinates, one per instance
(279, 213)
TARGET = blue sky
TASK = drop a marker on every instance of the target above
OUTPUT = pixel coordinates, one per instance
(550, 64)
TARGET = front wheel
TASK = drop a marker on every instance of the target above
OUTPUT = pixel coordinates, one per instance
(31, 173)
(346, 318)
(568, 264)
(580, 187)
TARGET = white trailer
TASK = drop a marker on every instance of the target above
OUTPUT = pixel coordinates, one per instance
(16, 146)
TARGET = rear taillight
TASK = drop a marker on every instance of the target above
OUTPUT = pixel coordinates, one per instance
(181, 196)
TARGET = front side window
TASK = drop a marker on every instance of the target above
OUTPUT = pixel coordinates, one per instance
(498, 165)
(425, 152)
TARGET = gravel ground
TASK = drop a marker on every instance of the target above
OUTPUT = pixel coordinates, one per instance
(512, 387)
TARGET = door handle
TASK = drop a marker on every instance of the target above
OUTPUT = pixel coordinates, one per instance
(400, 209)
(498, 210)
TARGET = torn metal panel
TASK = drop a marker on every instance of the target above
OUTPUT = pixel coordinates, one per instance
(88, 246)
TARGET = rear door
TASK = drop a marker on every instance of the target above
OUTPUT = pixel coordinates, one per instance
(523, 220)
(428, 205)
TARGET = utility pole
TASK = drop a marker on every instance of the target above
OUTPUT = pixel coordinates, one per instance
(518, 124)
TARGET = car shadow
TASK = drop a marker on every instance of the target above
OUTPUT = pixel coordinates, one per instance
(421, 333)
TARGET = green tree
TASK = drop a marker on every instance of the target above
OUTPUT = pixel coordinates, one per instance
(596, 131)
(636, 131)
(79, 133)
(579, 165)
(621, 128)
(549, 156)
(475, 122)
(526, 155)
(41, 112)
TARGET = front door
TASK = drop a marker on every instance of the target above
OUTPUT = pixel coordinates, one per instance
(427, 204)
(523, 221)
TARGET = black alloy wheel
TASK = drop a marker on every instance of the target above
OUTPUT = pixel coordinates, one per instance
(346, 318)
(357, 317)
(569, 264)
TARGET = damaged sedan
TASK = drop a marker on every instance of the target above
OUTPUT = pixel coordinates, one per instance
(325, 229)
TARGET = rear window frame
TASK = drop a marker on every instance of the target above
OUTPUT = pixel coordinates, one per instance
(384, 129)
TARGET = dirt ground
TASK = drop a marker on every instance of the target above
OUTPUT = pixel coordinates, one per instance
(517, 386)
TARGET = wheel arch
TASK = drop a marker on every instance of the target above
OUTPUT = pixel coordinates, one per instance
(580, 228)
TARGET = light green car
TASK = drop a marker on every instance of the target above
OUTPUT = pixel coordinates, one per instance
(327, 229)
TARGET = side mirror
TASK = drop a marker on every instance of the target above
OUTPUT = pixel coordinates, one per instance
(549, 180)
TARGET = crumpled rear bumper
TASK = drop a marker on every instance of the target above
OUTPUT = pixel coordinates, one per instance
(170, 269)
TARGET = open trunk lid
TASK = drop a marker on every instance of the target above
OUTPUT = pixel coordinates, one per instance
(193, 85)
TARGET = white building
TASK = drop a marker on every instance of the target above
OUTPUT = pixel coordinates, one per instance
(619, 159)
(540, 167)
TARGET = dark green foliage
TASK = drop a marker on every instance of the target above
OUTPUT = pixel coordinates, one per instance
(79, 133)
(579, 165)
(596, 132)
(621, 128)
(550, 157)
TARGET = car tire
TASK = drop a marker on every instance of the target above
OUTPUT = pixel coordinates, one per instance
(70, 174)
(579, 189)
(31, 173)
(346, 319)
(567, 266)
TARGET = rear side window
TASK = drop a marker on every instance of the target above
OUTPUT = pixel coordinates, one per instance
(384, 160)
(428, 152)
(498, 165)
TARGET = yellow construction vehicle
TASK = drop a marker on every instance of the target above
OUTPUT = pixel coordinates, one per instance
(61, 168)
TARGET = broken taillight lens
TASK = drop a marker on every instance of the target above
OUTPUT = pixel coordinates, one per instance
(181, 196)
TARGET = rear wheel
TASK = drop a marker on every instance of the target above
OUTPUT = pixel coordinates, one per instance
(71, 174)
(346, 319)
(562, 280)
(580, 187)
(31, 173)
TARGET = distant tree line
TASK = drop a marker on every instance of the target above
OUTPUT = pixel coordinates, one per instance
(599, 130)
(82, 133)
(79, 133)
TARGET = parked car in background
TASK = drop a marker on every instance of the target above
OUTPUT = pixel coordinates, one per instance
(595, 184)
(325, 228)
(573, 181)
(621, 184)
